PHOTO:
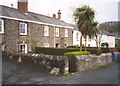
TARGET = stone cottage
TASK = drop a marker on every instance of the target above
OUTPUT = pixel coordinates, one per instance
(21, 30)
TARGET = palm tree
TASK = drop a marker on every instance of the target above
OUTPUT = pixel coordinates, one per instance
(93, 32)
(83, 17)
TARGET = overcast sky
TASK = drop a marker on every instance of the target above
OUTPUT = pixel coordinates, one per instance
(106, 10)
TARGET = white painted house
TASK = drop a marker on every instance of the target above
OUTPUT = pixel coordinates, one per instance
(76, 35)
(107, 37)
(102, 38)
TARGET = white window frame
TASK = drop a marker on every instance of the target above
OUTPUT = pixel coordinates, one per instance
(25, 27)
(46, 44)
(46, 30)
(57, 32)
(2, 26)
(25, 50)
(66, 32)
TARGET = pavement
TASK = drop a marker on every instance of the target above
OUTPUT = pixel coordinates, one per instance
(21, 73)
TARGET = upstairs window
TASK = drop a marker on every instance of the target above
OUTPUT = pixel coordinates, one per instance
(66, 32)
(1, 26)
(57, 32)
(23, 28)
(46, 30)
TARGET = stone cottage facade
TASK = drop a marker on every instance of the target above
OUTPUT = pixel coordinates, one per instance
(21, 30)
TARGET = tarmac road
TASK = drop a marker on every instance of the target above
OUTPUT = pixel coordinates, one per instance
(106, 75)
(18, 73)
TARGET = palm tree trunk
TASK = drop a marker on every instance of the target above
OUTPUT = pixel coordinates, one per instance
(81, 42)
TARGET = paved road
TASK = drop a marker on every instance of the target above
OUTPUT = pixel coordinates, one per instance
(107, 75)
(26, 74)
(0, 68)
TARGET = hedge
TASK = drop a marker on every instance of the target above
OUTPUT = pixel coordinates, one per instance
(54, 51)
(61, 51)
(77, 53)
(93, 49)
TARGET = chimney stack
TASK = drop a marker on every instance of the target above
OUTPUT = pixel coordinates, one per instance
(23, 5)
(54, 15)
(12, 5)
(59, 14)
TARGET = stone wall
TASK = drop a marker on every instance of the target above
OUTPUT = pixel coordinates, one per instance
(11, 35)
(34, 38)
(83, 63)
(86, 62)
(47, 61)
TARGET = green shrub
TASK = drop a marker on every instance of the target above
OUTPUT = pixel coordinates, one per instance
(94, 50)
(67, 74)
(98, 51)
(105, 50)
(61, 51)
(54, 51)
(77, 53)
(72, 47)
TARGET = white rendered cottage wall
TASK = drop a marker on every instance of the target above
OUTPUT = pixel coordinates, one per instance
(109, 39)
(76, 41)
(92, 42)
(89, 42)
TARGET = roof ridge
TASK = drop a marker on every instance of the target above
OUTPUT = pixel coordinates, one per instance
(32, 12)
(46, 16)
(32, 16)
(38, 14)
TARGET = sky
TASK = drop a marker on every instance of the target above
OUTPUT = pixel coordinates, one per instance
(105, 10)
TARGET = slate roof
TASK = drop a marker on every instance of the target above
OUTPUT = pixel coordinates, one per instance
(74, 26)
(106, 33)
(15, 13)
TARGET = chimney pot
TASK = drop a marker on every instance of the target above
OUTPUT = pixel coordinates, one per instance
(12, 5)
(59, 14)
(54, 15)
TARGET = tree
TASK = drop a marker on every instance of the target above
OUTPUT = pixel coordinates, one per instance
(84, 18)
(93, 32)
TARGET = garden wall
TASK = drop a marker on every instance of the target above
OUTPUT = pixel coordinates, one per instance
(86, 62)
(83, 62)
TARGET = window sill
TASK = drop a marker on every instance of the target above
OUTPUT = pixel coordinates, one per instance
(46, 36)
(1, 32)
(23, 34)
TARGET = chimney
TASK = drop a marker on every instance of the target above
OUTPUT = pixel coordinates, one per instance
(12, 5)
(54, 15)
(59, 14)
(23, 5)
